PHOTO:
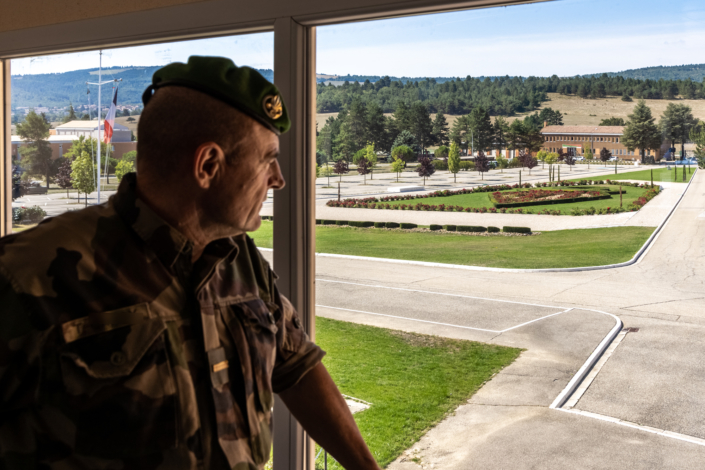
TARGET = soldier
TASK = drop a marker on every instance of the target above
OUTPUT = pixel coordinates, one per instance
(148, 332)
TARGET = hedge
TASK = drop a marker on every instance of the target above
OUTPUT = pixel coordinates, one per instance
(318, 221)
(605, 195)
(380, 224)
(354, 223)
(391, 225)
(342, 222)
(27, 214)
(436, 227)
(449, 228)
(493, 229)
(506, 229)
(408, 226)
(470, 228)
(328, 222)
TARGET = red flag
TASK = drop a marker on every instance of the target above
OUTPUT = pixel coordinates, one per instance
(109, 123)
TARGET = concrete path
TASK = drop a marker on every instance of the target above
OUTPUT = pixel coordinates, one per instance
(654, 379)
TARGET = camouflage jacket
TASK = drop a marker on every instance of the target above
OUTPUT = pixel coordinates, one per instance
(118, 352)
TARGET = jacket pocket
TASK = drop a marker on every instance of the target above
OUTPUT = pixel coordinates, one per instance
(118, 384)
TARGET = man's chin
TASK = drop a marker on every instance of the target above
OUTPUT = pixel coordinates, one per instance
(254, 223)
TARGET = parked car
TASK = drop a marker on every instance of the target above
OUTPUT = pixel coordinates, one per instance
(35, 187)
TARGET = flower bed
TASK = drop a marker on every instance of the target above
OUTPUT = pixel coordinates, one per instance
(535, 197)
(384, 202)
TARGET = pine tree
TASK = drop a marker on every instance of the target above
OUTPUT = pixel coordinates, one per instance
(36, 153)
(454, 160)
(676, 123)
(641, 131)
(421, 125)
(482, 129)
(440, 129)
(72, 114)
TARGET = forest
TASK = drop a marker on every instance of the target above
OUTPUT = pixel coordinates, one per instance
(503, 96)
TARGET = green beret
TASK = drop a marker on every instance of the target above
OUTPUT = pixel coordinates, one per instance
(243, 88)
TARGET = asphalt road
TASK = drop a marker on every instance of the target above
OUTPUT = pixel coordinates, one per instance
(653, 380)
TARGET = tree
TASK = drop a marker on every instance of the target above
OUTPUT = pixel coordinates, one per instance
(502, 163)
(676, 122)
(425, 168)
(63, 175)
(605, 154)
(404, 152)
(36, 153)
(524, 158)
(531, 163)
(406, 138)
(357, 123)
(641, 131)
(561, 154)
(83, 174)
(454, 160)
(460, 132)
(482, 164)
(570, 159)
(482, 134)
(441, 153)
(345, 143)
(551, 159)
(377, 126)
(131, 156)
(363, 167)
(359, 155)
(421, 125)
(697, 135)
(626, 97)
(515, 135)
(440, 129)
(500, 133)
(126, 166)
(398, 166)
(71, 116)
(588, 154)
(612, 121)
(130, 119)
(340, 168)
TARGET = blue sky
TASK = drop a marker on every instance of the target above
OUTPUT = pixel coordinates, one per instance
(565, 37)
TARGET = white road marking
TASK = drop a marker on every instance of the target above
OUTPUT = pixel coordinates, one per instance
(437, 293)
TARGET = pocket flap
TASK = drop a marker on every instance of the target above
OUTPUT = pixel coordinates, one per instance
(110, 345)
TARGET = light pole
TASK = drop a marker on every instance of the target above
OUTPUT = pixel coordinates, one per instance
(100, 83)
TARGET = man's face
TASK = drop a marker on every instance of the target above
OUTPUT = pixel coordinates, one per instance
(235, 200)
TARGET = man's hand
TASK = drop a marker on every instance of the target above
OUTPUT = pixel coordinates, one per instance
(318, 405)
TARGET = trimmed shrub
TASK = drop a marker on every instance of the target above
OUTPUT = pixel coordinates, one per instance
(450, 228)
(467, 165)
(408, 226)
(342, 222)
(380, 224)
(440, 164)
(506, 229)
(328, 222)
(391, 225)
(319, 221)
(493, 229)
(355, 223)
(28, 214)
(470, 228)
(436, 227)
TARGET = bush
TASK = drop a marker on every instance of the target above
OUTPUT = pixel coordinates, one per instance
(467, 165)
(440, 165)
(319, 221)
(342, 222)
(380, 224)
(470, 228)
(436, 227)
(328, 222)
(32, 214)
(391, 225)
(493, 229)
(449, 228)
(516, 229)
(408, 226)
(354, 223)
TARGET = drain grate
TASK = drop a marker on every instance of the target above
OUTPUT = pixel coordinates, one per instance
(630, 330)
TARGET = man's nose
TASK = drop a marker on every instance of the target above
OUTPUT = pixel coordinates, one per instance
(276, 180)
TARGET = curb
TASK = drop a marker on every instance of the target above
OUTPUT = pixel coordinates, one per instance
(635, 259)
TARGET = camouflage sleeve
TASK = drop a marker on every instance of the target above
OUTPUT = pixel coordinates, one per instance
(296, 353)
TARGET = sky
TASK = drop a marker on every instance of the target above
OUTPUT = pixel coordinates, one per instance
(563, 37)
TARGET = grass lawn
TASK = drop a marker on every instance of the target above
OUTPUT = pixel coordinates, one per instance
(660, 175)
(482, 200)
(413, 381)
(556, 249)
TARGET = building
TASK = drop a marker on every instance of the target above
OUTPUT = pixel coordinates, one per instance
(596, 138)
(61, 138)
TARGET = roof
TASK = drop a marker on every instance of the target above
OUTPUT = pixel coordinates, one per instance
(89, 125)
(52, 138)
(607, 130)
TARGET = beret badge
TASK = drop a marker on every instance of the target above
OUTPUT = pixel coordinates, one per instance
(272, 105)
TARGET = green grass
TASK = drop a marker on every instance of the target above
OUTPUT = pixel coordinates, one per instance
(660, 175)
(479, 200)
(555, 249)
(413, 381)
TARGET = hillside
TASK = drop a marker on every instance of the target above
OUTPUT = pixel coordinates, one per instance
(58, 89)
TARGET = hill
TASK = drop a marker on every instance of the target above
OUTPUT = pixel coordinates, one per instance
(694, 72)
(58, 89)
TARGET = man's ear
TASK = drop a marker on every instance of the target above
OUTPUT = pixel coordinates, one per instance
(209, 160)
